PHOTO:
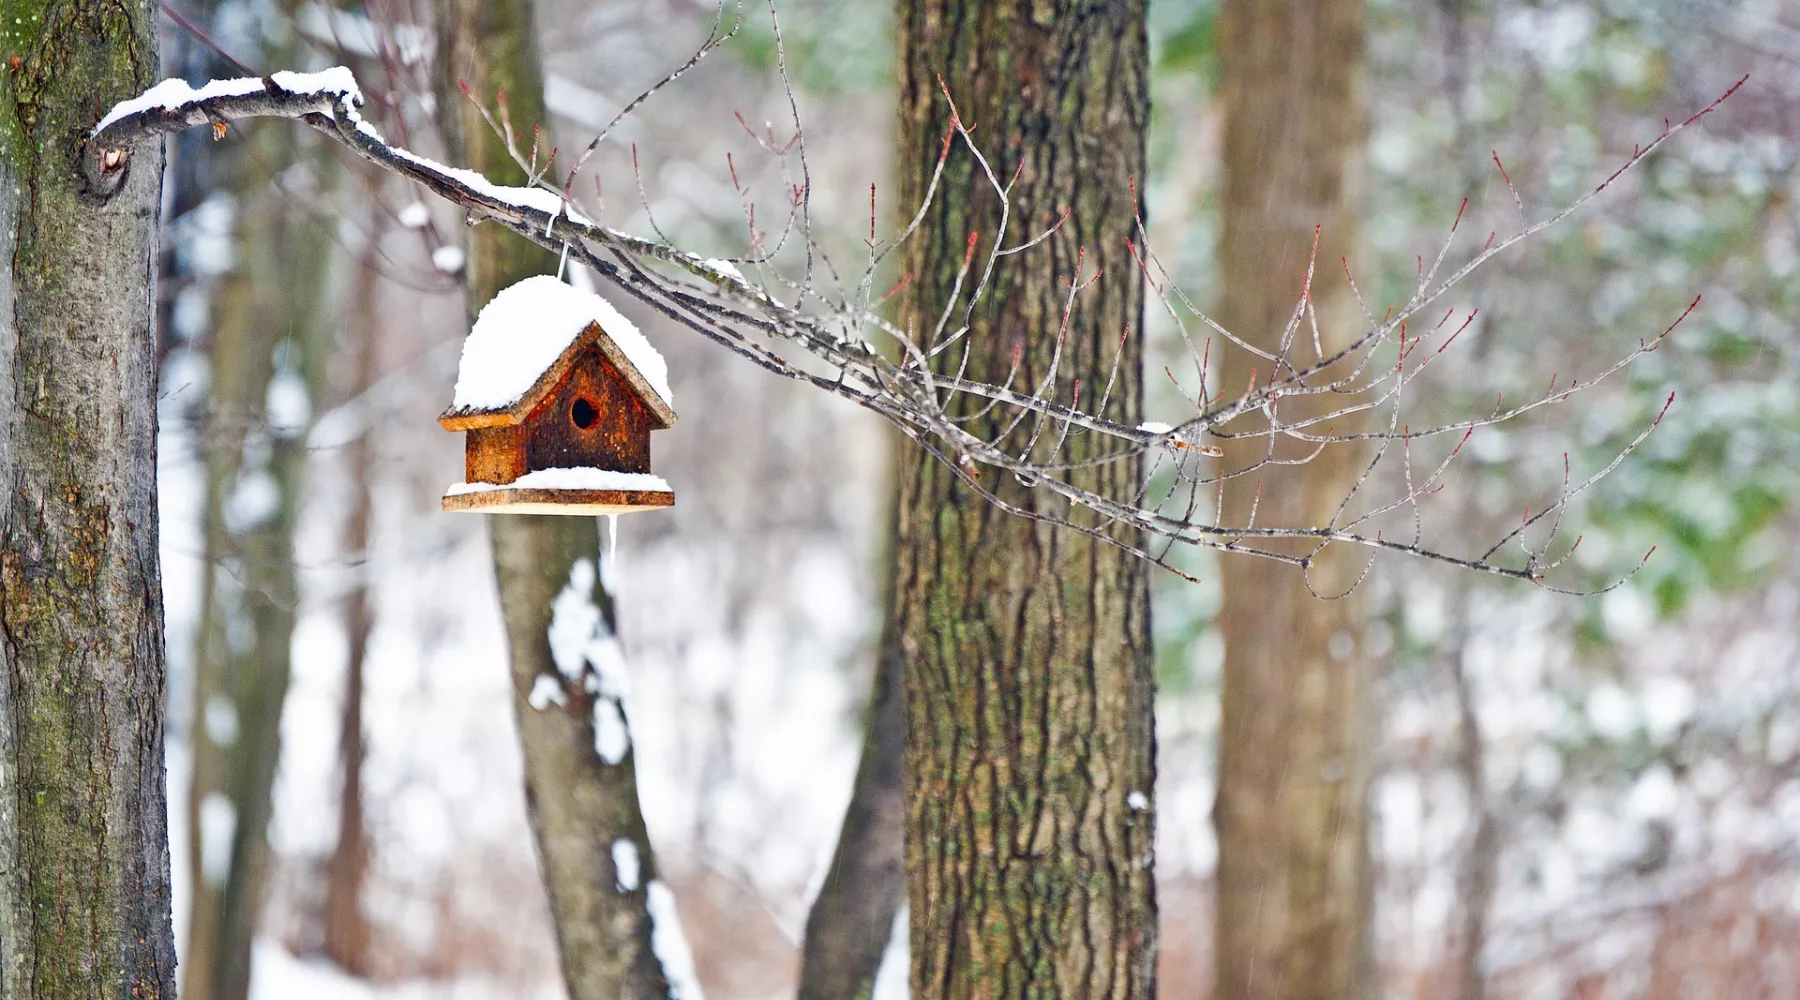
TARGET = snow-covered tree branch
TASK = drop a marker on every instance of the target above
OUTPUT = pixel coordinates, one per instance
(839, 340)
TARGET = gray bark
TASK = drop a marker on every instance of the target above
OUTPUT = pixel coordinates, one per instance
(84, 863)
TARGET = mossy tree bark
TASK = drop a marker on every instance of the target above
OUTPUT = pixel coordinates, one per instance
(84, 862)
(583, 803)
(1026, 649)
(1296, 739)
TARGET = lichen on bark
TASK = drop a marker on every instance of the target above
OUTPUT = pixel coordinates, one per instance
(84, 887)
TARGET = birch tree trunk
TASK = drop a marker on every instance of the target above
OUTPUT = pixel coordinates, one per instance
(1296, 738)
(1025, 648)
(84, 862)
(592, 846)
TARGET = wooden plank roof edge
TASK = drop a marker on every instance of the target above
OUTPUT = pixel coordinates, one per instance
(456, 418)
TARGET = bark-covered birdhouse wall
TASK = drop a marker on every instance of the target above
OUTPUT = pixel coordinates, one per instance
(592, 419)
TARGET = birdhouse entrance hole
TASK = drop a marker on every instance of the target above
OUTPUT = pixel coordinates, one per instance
(584, 414)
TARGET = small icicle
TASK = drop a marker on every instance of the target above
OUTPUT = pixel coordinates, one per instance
(563, 264)
(611, 576)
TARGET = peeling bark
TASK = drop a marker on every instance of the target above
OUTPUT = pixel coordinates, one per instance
(1026, 649)
(84, 863)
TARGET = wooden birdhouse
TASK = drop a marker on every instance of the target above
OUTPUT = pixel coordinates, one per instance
(558, 394)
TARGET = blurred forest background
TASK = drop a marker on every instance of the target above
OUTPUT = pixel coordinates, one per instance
(1574, 797)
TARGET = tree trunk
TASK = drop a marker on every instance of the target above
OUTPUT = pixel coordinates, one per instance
(1478, 868)
(1296, 737)
(852, 920)
(1025, 648)
(84, 862)
(270, 324)
(346, 926)
(592, 845)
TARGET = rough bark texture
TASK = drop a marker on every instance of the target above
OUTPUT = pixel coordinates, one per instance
(84, 862)
(270, 321)
(1025, 649)
(852, 920)
(1296, 740)
(581, 804)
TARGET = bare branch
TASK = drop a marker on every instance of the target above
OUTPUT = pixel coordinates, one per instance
(809, 335)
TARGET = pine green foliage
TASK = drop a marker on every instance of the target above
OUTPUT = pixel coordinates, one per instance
(1564, 94)
(834, 47)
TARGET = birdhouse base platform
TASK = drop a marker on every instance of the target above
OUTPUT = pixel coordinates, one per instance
(550, 501)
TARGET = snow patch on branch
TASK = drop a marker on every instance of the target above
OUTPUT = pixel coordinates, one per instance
(534, 198)
(720, 265)
(218, 825)
(545, 691)
(576, 622)
(415, 216)
(585, 650)
(177, 95)
(448, 259)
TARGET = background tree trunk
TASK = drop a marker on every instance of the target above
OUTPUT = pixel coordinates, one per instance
(584, 806)
(84, 885)
(1025, 648)
(271, 330)
(852, 920)
(346, 926)
(1297, 736)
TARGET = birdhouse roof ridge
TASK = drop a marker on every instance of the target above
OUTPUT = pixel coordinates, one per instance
(523, 339)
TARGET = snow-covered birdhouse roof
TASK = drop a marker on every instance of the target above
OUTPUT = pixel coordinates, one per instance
(524, 342)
